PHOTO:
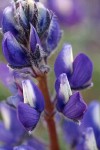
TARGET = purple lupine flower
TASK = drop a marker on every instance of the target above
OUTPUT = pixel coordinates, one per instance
(71, 105)
(69, 12)
(30, 35)
(29, 112)
(33, 100)
(79, 71)
(92, 119)
(87, 141)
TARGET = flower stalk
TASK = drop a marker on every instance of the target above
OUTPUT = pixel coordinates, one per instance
(49, 113)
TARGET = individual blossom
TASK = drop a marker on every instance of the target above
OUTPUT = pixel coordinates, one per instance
(69, 12)
(31, 33)
(79, 71)
(26, 98)
(30, 110)
(70, 104)
(11, 131)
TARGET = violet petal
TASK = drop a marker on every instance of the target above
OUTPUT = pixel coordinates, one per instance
(54, 34)
(64, 60)
(82, 72)
(8, 22)
(34, 39)
(75, 108)
(28, 116)
(13, 52)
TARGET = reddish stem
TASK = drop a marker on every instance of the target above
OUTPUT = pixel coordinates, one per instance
(49, 109)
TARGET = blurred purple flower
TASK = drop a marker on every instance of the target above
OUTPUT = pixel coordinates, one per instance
(87, 141)
(71, 105)
(87, 135)
(92, 119)
(71, 132)
(79, 71)
(69, 12)
(10, 129)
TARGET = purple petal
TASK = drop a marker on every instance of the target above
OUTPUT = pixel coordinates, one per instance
(54, 34)
(71, 132)
(44, 18)
(13, 52)
(23, 19)
(34, 39)
(7, 79)
(28, 116)
(64, 61)
(5, 135)
(75, 108)
(6, 147)
(8, 22)
(11, 122)
(36, 143)
(2, 7)
(4, 74)
(82, 72)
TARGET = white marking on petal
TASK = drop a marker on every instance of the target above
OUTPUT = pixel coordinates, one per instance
(96, 115)
(90, 142)
(65, 89)
(65, 7)
(28, 93)
(68, 56)
(6, 117)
